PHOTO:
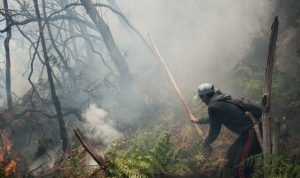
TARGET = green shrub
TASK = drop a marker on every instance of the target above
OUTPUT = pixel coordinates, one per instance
(150, 153)
(281, 166)
(75, 166)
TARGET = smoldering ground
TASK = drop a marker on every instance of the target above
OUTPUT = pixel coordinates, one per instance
(98, 126)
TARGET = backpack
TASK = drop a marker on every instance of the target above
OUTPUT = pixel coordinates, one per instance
(247, 106)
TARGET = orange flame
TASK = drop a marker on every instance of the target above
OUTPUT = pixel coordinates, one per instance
(5, 152)
(1, 156)
(8, 147)
(10, 167)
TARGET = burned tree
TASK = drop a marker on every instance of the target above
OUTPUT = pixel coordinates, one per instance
(109, 42)
(55, 99)
(7, 55)
(57, 50)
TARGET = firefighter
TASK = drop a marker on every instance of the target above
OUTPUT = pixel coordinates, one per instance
(221, 112)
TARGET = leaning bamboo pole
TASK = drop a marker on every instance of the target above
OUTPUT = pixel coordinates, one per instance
(180, 95)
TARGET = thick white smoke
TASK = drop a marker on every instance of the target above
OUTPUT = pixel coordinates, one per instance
(98, 126)
(199, 39)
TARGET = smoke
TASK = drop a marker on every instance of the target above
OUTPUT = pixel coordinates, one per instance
(98, 126)
(288, 49)
(199, 39)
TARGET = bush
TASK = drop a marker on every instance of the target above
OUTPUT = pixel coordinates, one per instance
(150, 153)
(281, 166)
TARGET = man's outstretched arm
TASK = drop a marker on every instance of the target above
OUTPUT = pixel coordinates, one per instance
(200, 121)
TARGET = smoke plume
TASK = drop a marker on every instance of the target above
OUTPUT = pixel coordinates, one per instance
(98, 126)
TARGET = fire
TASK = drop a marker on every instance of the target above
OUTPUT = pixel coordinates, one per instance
(9, 165)
(1, 156)
(8, 147)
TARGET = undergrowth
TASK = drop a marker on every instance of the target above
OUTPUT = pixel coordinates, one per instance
(75, 166)
(280, 166)
(151, 153)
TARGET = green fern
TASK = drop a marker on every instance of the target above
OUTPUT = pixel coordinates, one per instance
(149, 153)
(282, 166)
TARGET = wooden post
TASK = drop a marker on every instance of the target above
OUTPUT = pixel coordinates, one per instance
(266, 100)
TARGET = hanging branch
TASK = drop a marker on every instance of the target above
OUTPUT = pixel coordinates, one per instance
(266, 100)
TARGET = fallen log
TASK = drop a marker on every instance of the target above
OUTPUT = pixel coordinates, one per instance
(98, 157)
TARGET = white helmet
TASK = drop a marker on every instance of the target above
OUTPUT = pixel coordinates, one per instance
(204, 89)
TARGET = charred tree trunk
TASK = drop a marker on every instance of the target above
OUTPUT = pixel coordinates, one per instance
(109, 42)
(55, 99)
(266, 100)
(7, 55)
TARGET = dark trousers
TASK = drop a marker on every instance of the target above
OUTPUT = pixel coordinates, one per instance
(243, 147)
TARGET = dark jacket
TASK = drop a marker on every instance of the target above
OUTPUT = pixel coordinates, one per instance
(221, 112)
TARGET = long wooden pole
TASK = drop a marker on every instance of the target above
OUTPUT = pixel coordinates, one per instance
(266, 100)
(180, 95)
